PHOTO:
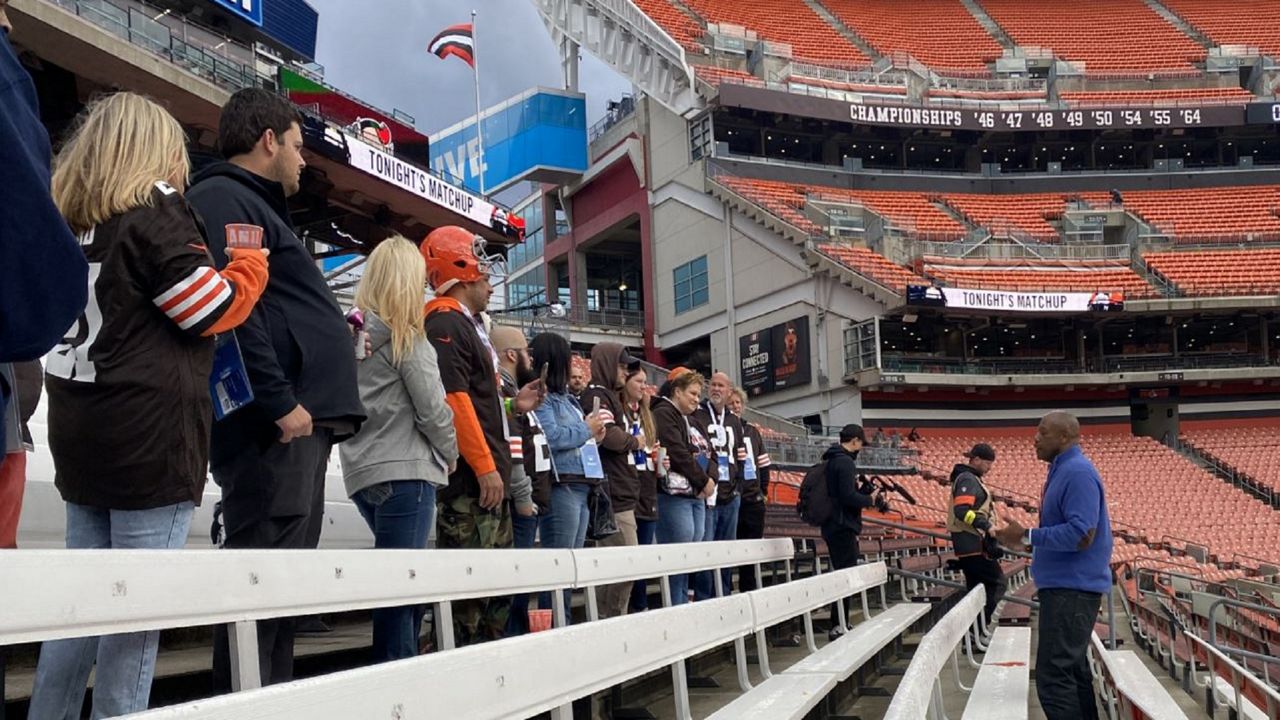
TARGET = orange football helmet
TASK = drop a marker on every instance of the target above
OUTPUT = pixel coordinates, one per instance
(456, 255)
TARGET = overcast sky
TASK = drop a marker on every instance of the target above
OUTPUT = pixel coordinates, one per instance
(376, 51)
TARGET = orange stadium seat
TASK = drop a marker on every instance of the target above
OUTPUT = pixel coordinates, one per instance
(1220, 272)
(1046, 280)
(678, 25)
(810, 37)
(715, 75)
(873, 265)
(1107, 35)
(1254, 451)
(1242, 22)
(1029, 213)
(784, 200)
(938, 33)
(1200, 214)
(1134, 470)
(1184, 96)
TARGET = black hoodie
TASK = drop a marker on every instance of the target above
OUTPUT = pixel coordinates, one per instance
(296, 345)
(842, 485)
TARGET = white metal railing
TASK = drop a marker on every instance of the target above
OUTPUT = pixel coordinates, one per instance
(1241, 680)
(919, 694)
(100, 592)
(521, 677)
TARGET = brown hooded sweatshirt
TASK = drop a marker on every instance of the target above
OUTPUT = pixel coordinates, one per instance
(619, 446)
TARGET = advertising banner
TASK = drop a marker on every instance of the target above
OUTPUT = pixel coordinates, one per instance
(776, 358)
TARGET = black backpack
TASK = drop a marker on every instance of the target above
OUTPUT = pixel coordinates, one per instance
(814, 504)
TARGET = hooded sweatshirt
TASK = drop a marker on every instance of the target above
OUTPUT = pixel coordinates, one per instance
(619, 446)
(842, 486)
(43, 274)
(295, 344)
(409, 432)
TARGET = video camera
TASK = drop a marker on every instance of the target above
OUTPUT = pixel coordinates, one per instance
(878, 487)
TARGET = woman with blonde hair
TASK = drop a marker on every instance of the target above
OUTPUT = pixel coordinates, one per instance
(129, 404)
(407, 445)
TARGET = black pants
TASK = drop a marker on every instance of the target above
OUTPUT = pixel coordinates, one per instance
(842, 547)
(1063, 682)
(750, 527)
(271, 498)
(982, 570)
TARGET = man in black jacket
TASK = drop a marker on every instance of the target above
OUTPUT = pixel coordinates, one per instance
(270, 456)
(969, 524)
(755, 485)
(848, 498)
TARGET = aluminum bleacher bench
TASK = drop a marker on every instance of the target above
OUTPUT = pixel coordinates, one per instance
(1129, 686)
(920, 690)
(794, 693)
(54, 594)
(1017, 613)
(524, 676)
(1245, 709)
(512, 678)
(1004, 680)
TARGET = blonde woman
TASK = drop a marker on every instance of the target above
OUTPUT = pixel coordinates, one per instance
(407, 445)
(129, 404)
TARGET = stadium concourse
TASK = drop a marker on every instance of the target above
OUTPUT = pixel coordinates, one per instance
(940, 220)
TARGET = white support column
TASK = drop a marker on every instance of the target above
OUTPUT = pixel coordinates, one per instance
(569, 63)
(242, 638)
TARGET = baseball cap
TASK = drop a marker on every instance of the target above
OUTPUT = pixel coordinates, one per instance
(983, 451)
(628, 362)
(851, 431)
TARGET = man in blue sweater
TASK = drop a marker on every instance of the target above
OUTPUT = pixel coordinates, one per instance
(1070, 564)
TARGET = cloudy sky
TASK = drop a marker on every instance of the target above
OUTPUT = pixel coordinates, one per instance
(376, 51)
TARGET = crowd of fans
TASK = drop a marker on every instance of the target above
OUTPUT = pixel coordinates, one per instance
(440, 419)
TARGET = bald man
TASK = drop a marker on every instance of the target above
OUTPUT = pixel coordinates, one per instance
(1070, 565)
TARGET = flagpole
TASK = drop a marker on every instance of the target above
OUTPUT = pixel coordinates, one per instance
(475, 68)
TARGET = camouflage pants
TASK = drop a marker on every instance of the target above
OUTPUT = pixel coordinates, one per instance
(462, 524)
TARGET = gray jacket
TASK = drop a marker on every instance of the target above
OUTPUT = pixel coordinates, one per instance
(409, 434)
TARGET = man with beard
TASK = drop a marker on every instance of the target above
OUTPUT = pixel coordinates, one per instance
(969, 523)
(579, 371)
(270, 456)
(530, 488)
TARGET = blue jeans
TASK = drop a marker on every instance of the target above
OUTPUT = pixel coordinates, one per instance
(566, 525)
(126, 661)
(399, 512)
(645, 532)
(524, 532)
(680, 519)
(722, 524)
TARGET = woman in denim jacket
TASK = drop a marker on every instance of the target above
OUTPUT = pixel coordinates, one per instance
(571, 437)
